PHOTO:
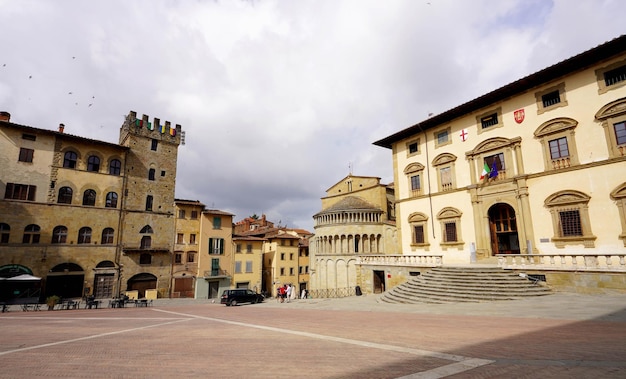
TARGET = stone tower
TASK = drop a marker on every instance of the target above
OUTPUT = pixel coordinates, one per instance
(147, 225)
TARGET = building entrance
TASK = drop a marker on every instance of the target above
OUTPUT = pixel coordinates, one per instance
(503, 227)
(379, 281)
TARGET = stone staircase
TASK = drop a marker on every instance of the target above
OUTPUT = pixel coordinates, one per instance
(464, 284)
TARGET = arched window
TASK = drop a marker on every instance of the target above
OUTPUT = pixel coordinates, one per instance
(89, 197)
(107, 236)
(450, 220)
(59, 234)
(5, 230)
(93, 164)
(84, 235)
(31, 234)
(111, 201)
(151, 173)
(146, 241)
(69, 161)
(570, 218)
(115, 167)
(65, 195)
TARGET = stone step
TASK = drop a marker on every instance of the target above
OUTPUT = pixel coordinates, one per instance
(464, 284)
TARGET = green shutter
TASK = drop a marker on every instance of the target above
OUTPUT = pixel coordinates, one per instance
(221, 246)
(210, 245)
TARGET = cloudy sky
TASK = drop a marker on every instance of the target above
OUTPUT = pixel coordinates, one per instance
(278, 98)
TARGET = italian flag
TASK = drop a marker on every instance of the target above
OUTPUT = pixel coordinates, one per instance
(486, 171)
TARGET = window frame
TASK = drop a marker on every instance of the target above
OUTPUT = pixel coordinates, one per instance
(26, 155)
(84, 235)
(93, 163)
(111, 200)
(217, 222)
(419, 219)
(414, 142)
(5, 233)
(65, 195)
(59, 235)
(570, 200)
(108, 236)
(438, 132)
(70, 159)
(618, 195)
(560, 88)
(445, 161)
(115, 167)
(17, 191)
(446, 216)
(89, 197)
(610, 115)
(412, 170)
(562, 127)
(479, 120)
(32, 234)
(600, 77)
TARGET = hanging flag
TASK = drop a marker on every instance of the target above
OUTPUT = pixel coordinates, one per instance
(173, 132)
(486, 171)
(494, 170)
(149, 125)
(139, 123)
(162, 129)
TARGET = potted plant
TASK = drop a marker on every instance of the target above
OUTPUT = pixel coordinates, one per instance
(52, 301)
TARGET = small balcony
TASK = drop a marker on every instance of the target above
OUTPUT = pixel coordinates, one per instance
(216, 274)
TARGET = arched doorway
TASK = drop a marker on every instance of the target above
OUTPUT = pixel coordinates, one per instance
(141, 283)
(65, 280)
(503, 227)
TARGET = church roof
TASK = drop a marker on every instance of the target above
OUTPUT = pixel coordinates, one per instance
(350, 203)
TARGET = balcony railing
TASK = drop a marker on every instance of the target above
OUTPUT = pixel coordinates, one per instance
(425, 260)
(216, 273)
(564, 262)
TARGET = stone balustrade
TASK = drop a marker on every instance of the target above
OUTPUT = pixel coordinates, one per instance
(564, 262)
(423, 260)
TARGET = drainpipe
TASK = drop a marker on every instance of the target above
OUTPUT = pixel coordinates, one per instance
(430, 198)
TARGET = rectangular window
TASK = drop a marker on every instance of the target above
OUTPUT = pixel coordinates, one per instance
(620, 133)
(238, 248)
(192, 238)
(415, 183)
(282, 271)
(442, 137)
(194, 215)
(498, 160)
(418, 234)
(217, 223)
(248, 266)
(29, 137)
(216, 246)
(149, 203)
(248, 248)
(291, 271)
(238, 267)
(570, 223)
(615, 76)
(180, 238)
(489, 120)
(558, 148)
(413, 148)
(178, 258)
(446, 178)
(291, 256)
(450, 229)
(215, 266)
(191, 257)
(551, 98)
(20, 192)
(282, 256)
(181, 213)
(155, 143)
(26, 155)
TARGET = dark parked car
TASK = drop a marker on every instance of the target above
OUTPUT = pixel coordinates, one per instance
(234, 297)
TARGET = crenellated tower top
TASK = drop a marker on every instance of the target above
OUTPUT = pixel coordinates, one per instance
(155, 129)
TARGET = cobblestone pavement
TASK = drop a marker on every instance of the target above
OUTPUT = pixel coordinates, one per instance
(556, 336)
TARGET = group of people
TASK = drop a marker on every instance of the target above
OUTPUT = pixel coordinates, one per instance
(287, 293)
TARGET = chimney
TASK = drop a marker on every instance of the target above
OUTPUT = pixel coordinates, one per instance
(61, 128)
(5, 116)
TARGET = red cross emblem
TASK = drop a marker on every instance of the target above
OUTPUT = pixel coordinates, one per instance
(463, 134)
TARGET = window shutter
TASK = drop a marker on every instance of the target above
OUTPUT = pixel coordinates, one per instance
(221, 246)
(210, 245)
